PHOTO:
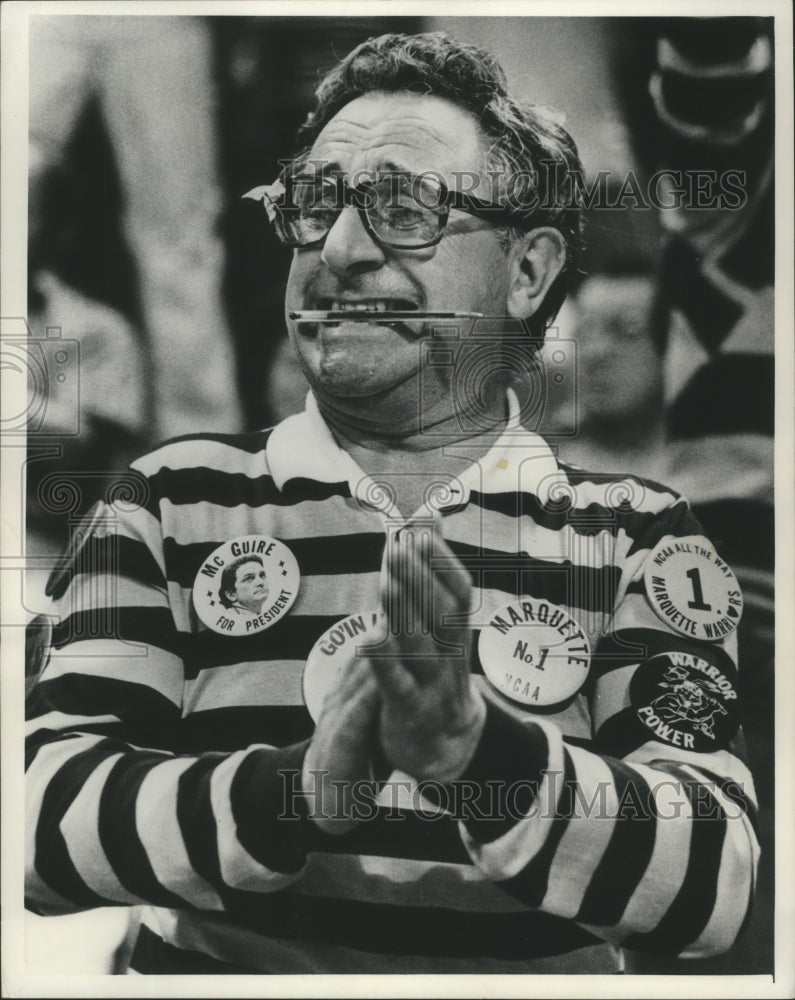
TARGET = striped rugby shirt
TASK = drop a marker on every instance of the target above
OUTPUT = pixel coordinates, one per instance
(159, 751)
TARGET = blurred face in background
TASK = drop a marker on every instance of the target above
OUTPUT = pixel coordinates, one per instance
(620, 368)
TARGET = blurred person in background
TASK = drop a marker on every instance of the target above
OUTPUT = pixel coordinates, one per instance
(113, 421)
(699, 100)
(619, 377)
(712, 90)
(152, 77)
(167, 369)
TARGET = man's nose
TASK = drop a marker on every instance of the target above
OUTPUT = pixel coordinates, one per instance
(348, 247)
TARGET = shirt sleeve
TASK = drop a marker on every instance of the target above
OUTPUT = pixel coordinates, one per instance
(648, 844)
(115, 813)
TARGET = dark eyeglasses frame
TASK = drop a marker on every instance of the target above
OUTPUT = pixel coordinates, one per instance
(360, 197)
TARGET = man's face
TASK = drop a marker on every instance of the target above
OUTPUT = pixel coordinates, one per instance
(692, 696)
(467, 270)
(251, 586)
(620, 368)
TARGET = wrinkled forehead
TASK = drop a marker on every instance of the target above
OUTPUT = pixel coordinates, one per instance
(410, 132)
(252, 566)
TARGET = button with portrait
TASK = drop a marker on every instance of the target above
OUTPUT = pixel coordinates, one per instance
(246, 585)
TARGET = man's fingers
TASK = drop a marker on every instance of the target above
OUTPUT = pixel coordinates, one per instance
(409, 583)
(449, 571)
(355, 677)
(423, 571)
(394, 680)
(354, 699)
(421, 550)
(426, 606)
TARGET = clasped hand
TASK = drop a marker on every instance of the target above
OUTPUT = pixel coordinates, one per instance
(409, 699)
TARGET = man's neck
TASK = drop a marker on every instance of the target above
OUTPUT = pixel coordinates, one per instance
(412, 450)
(392, 426)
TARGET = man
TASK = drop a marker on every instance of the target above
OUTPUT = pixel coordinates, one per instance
(621, 381)
(244, 585)
(478, 632)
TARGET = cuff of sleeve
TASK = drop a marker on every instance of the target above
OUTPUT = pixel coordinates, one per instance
(501, 781)
(269, 808)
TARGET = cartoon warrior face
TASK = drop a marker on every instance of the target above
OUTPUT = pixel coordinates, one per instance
(687, 700)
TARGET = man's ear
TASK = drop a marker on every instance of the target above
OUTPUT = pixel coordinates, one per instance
(536, 260)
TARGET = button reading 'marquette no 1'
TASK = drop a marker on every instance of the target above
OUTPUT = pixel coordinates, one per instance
(534, 652)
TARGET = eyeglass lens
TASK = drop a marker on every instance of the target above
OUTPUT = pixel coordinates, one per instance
(401, 210)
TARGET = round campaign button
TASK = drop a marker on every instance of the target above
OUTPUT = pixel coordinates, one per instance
(247, 585)
(534, 652)
(333, 651)
(686, 700)
(692, 589)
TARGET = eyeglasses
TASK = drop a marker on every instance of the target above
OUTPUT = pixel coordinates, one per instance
(399, 210)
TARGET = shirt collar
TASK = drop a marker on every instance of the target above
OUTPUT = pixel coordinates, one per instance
(303, 447)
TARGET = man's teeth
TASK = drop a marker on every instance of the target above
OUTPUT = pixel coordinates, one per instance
(376, 306)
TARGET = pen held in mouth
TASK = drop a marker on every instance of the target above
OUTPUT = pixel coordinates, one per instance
(367, 316)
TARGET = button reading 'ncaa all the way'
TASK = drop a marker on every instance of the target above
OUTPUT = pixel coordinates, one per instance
(692, 589)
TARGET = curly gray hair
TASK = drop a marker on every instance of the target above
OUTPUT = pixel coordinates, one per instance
(531, 155)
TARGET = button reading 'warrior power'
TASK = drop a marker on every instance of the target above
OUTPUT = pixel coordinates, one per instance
(247, 585)
(686, 700)
(535, 652)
